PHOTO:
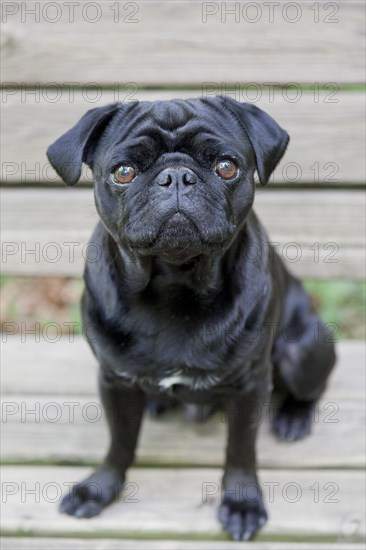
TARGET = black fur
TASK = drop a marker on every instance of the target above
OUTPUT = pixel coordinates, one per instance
(177, 306)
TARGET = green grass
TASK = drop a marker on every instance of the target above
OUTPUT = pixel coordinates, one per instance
(341, 302)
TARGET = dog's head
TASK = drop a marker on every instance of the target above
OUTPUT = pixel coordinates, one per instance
(175, 178)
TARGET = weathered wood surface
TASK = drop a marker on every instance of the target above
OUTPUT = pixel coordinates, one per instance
(324, 503)
(39, 422)
(59, 430)
(46, 543)
(159, 42)
(327, 141)
(33, 366)
(302, 223)
(327, 132)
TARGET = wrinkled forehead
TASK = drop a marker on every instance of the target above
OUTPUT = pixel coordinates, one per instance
(172, 121)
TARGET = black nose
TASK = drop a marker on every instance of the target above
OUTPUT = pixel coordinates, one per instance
(177, 176)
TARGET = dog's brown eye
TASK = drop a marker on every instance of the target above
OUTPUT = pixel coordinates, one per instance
(226, 169)
(124, 174)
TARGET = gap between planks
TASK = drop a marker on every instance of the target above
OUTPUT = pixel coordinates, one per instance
(44, 543)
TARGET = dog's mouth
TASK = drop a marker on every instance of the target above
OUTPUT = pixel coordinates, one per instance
(177, 239)
(178, 231)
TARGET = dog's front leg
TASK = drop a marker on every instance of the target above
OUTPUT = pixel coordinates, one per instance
(123, 407)
(241, 511)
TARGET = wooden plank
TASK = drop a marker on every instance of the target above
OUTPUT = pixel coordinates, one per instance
(155, 42)
(302, 223)
(51, 412)
(46, 543)
(172, 501)
(327, 132)
(68, 367)
(59, 430)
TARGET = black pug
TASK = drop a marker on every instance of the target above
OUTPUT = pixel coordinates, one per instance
(176, 304)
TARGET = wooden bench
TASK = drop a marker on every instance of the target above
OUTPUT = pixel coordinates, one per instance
(304, 68)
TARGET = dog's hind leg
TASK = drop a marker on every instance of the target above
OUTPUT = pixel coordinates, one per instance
(303, 357)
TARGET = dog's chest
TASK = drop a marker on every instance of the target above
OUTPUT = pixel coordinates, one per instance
(182, 351)
(175, 340)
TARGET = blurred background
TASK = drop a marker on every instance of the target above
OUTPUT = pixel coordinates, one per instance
(46, 300)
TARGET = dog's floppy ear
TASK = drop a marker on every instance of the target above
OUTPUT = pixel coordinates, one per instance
(268, 139)
(69, 151)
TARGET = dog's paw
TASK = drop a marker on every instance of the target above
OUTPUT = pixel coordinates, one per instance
(241, 520)
(88, 498)
(294, 419)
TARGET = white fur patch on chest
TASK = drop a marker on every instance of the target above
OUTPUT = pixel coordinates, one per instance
(203, 382)
(169, 381)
